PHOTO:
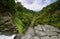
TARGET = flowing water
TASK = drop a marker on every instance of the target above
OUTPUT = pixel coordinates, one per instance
(7, 37)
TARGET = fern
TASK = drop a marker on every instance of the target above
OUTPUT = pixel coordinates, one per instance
(19, 24)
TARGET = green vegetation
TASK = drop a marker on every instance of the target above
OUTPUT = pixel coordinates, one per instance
(23, 17)
(19, 24)
(50, 15)
(7, 6)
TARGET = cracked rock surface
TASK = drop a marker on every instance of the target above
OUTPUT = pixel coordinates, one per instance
(42, 32)
(38, 32)
(7, 27)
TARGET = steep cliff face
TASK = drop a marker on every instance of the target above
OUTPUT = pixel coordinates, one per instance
(7, 9)
(7, 27)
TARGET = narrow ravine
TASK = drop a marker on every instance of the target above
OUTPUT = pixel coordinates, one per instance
(38, 32)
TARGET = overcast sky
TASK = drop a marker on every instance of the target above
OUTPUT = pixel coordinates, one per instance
(36, 5)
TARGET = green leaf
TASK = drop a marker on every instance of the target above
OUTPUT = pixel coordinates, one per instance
(19, 24)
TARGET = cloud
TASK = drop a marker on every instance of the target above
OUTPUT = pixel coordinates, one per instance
(30, 1)
(35, 5)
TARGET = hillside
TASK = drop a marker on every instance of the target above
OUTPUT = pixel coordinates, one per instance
(49, 15)
(23, 18)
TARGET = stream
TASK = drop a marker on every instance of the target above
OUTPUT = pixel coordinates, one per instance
(7, 37)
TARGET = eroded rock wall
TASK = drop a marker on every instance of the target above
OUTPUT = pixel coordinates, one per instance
(42, 32)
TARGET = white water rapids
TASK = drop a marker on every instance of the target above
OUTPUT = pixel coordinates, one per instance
(7, 37)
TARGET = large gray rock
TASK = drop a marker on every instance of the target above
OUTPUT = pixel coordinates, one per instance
(53, 37)
(51, 33)
(36, 37)
(41, 32)
(45, 37)
(30, 31)
(28, 36)
(58, 36)
(39, 27)
(49, 28)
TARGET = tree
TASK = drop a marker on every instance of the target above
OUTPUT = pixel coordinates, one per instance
(7, 5)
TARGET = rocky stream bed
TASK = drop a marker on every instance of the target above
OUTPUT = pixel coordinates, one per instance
(38, 32)
(9, 31)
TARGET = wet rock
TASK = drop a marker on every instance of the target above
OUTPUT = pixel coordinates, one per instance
(7, 37)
